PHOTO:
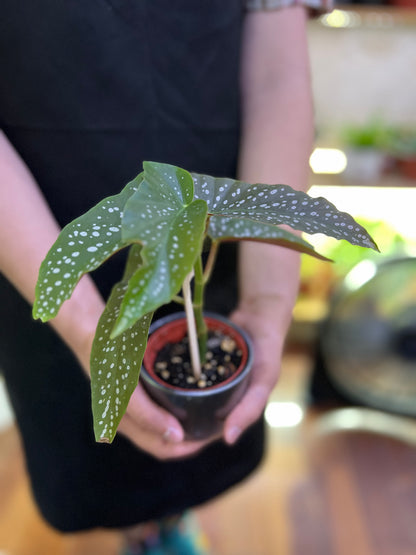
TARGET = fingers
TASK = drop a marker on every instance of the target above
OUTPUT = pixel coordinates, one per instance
(249, 409)
(246, 413)
(157, 445)
(152, 418)
(154, 430)
(268, 342)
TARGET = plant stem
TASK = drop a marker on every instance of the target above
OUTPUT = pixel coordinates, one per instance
(192, 330)
(209, 266)
(199, 288)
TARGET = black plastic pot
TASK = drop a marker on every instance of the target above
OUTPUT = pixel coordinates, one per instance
(201, 411)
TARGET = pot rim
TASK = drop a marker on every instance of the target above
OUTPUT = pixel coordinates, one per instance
(211, 390)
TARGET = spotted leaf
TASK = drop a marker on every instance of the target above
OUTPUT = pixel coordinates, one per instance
(174, 184)
(170, 226)
(81, 247)
(237, 229)
(279, 204)
(116, 363)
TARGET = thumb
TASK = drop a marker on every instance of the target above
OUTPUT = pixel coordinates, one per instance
(246, 412)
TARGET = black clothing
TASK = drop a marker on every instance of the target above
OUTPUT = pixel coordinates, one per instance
(89, 90)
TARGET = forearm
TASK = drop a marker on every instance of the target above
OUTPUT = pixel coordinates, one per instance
(27, 230)
(277, 112)
(276, 142)
(277, 138)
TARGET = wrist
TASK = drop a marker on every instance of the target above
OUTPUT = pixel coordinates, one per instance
(270, 306)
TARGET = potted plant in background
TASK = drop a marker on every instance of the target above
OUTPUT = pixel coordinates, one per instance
(365, 148)
(402, 148)
(168, 217)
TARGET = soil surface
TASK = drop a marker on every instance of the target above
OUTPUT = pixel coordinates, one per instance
(223, 357)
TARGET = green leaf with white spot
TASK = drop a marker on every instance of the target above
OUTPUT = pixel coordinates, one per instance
(173, 183)
(116, 363)
(279, 204)
(82, 246)
(167, 262)
(170, 226)
(238, 229)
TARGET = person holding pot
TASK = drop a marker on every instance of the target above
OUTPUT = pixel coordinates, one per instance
(90, 90)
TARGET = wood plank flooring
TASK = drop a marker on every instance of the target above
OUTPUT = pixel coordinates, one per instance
(321, 490)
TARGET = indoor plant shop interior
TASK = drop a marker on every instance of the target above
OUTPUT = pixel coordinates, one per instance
(169, 218)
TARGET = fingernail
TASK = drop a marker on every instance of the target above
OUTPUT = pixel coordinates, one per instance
(172, 435)
(233, 434)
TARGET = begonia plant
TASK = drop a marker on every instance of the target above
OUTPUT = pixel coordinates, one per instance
(168, 217)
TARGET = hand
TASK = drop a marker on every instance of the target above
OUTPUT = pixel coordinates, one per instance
(155, 430)
(145, 424)
(266, 321)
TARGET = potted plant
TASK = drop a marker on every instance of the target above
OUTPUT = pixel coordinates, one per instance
(365, 147)
(168, 217)
(402, 148)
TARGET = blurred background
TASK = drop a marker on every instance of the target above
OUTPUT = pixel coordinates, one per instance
(340, 471)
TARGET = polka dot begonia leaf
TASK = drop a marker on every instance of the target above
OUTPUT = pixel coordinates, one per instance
(279, 204)
(82, 246)
(116, 363)
(170, 226)
(174, 184)
(236, 229)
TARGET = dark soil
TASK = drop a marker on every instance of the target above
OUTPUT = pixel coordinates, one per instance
(223, 357)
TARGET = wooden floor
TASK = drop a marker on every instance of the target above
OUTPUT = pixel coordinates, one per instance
(328, 486)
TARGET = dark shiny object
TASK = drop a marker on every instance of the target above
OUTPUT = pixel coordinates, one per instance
(200, 411)
(369, 339)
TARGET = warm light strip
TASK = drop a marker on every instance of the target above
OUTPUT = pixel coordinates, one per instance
(393, 205)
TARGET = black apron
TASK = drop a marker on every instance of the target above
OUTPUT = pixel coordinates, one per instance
(89, 90)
